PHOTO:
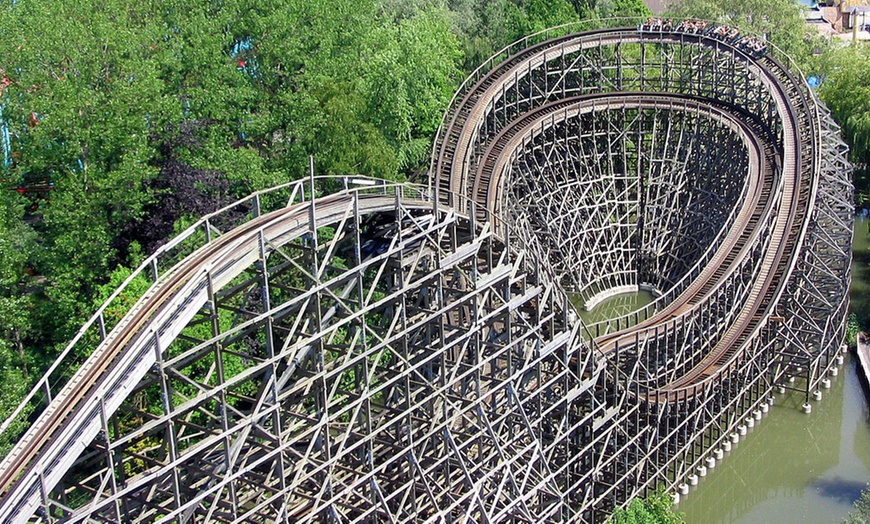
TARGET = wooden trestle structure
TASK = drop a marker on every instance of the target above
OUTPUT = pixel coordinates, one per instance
(348, 350)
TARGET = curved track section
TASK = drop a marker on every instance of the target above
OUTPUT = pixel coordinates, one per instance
(770, 98)
(345, 350)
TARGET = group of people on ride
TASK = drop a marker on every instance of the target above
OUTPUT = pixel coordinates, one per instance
(747, 43)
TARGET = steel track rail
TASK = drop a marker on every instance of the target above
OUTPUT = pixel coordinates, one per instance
(779, 261)
(744, 231)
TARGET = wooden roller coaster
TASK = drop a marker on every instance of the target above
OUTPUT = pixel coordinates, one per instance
(348, 350)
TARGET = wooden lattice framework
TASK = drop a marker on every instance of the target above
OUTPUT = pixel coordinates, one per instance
(347, 350)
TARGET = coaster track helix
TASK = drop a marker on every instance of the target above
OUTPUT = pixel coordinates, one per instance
(348, 350)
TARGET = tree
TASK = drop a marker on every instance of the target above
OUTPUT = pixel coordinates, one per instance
(779, 20)
(17, 296)
(615, 8)
(861, 513)
(140, 116)
(845, 89)
(486, 27)
(656, 508)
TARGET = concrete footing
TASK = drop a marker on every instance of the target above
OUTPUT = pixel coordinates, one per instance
(807, 408)
(826, 383)
(728, 442)
(817, 395)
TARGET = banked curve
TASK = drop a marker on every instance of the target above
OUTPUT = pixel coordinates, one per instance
(796, 154)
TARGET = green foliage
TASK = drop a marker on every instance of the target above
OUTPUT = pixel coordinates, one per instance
(616, 8)
(486, 27)
(120, 106)
(656, 508)
(779, 20)
(861, 512)
(852, 329)
(16, 384)
(846, 91)
(125, 300)
(16, 300)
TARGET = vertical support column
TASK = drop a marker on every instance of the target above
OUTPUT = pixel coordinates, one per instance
(229, 459)
(110, 460)
(169, 424)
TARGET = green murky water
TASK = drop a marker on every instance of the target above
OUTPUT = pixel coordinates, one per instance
(792, 467)
(613, 307)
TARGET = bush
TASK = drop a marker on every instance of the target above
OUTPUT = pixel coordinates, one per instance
(861, 514)
(656, 508)
(852, 329)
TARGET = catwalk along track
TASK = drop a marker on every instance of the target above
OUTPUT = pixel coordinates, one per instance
(351, 350)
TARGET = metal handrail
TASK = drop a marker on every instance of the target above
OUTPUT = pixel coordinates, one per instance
(502, 54)
(73, 354)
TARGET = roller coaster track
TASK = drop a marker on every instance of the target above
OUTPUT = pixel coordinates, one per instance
(743, 232)
(396, 353)
(451, 176)
(227, 251)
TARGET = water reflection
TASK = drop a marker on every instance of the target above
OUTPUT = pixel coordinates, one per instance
(795, 467)
(839, 489)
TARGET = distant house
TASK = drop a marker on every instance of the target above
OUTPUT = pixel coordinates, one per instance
(823, 19)
(854, 13)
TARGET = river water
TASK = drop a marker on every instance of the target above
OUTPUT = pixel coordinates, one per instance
(792, 467)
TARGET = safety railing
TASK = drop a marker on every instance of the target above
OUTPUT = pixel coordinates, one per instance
(143, 279)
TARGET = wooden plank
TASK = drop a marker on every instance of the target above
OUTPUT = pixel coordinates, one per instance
(864, 354)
